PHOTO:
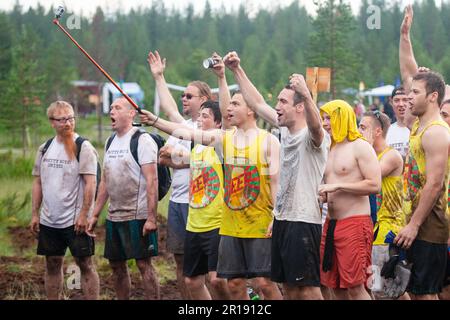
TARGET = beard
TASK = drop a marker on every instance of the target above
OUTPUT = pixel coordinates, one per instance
(69, 143)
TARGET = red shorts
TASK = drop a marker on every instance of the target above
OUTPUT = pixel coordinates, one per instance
(352, 255)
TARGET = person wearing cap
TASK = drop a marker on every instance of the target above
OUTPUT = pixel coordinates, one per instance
(398, 134)
(351, 175)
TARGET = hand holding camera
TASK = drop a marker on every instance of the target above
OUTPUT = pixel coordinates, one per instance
(215, 63)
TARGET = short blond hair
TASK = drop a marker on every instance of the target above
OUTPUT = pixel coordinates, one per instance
(58, 105)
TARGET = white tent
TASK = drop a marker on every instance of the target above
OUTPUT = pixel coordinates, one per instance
(110, 93)
(384, 91)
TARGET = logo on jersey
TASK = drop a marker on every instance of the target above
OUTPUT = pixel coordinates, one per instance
(204, 187)
(242, 186)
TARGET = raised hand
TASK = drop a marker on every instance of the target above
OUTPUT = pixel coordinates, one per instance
(219, 67)
(232, 60)
(298, 84)
(156, 64)
(407, 21)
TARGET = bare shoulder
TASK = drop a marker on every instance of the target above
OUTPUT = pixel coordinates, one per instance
(436, 137)
(361, 146)
(271, 144)
(394, 157)
(363, 151)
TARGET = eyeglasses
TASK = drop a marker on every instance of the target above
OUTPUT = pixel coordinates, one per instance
(377, 114)
(188, 96)
(63, 120)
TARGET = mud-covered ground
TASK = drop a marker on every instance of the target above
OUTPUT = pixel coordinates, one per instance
(22, 276)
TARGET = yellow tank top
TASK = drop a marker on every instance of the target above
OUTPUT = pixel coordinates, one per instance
(389, 206)
(249, 206)
(435, 229)
(206, 190)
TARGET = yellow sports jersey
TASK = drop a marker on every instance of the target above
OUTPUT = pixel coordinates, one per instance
(435, 229)
(206, 190)
(390, 216)
(249, 206)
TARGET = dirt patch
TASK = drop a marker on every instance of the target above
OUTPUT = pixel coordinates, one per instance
(22, 238)
(23, 278)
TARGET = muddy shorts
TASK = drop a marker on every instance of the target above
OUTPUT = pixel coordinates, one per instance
(54, 242)
(244, 258)
(352, 254)
(124, 241)
(296, 253)
(176, 227)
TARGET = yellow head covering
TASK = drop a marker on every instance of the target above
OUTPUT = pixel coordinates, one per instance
(343, 121)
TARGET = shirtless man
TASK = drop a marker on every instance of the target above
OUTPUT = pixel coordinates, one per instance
(351, 175)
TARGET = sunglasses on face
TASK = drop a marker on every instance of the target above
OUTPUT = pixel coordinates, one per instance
(188, 96)
(63, 120)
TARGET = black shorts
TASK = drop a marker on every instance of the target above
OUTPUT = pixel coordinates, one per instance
(201, 251)
(296, 253)
(54, 242)
(429, 267)
(447, 276)
(124, 241)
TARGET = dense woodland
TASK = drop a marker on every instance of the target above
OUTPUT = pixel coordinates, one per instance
(37, 62)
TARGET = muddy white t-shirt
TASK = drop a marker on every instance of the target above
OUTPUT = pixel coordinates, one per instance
(124, 180)
(301, 173)
(180, 178)
(398, 138)
(62, 183)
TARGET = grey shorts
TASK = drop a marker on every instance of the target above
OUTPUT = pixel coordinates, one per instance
(176, 227)
(244, 258)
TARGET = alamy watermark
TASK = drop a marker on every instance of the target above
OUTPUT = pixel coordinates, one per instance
(373, 21)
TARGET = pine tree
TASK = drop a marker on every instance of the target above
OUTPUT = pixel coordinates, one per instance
(330, 44)
(23, 98)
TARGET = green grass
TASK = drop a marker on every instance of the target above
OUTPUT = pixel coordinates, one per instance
(15, 201)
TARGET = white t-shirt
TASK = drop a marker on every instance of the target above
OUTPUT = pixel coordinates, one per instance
(124, 180)
(62, 183)
(398, 138)
(301, 173)
(180, 178)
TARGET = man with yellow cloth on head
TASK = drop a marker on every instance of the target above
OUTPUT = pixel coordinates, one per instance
(351, 175)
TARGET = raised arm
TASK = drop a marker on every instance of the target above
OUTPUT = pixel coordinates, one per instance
(168, 104)
(251, 95)
(224, 93)
(408, 64)
(181, 131)
(312, 114)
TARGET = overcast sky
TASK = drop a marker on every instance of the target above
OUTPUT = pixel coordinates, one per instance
(87, 7)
